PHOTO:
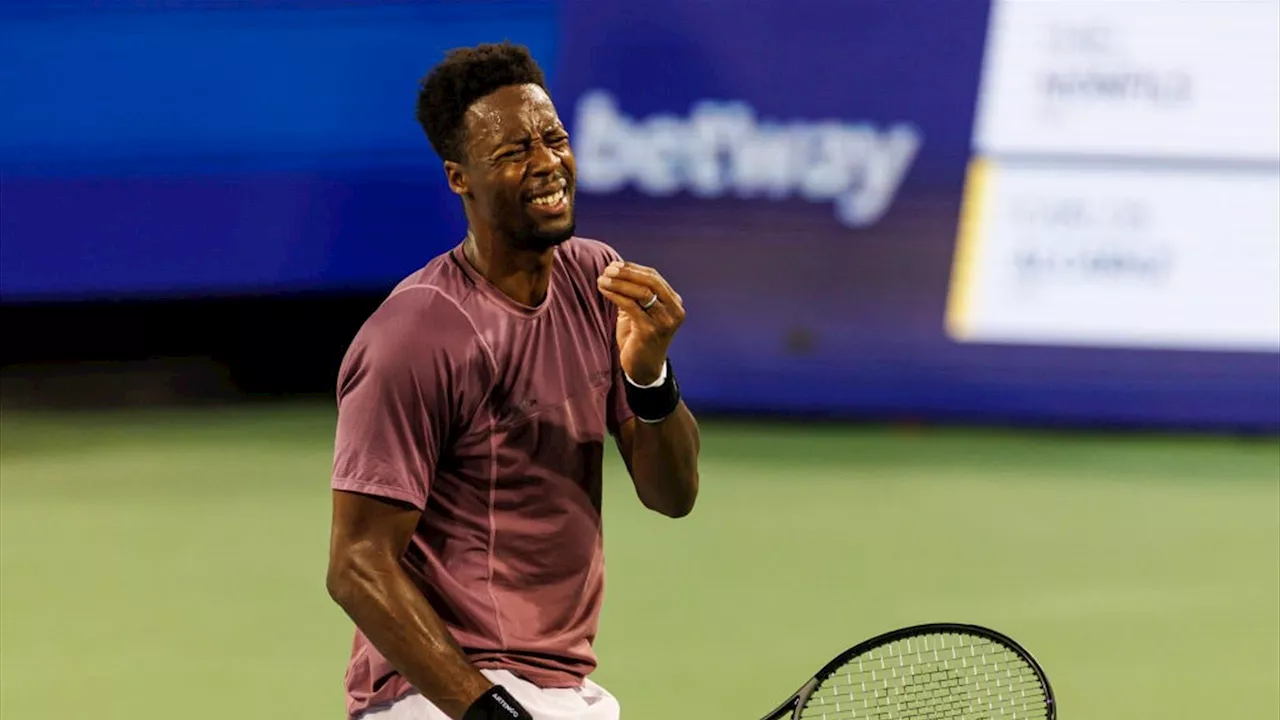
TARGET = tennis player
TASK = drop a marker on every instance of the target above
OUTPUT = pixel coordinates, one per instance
(474, 407)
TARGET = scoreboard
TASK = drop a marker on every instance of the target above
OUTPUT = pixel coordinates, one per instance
(1125, 184)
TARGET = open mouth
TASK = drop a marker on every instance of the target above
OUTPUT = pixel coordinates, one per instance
(552, 201)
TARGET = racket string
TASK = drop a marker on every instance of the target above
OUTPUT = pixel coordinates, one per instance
(939, 677)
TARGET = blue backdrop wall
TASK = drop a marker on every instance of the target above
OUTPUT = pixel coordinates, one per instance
(797, 169)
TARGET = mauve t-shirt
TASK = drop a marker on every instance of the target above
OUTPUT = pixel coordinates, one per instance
(491, 417)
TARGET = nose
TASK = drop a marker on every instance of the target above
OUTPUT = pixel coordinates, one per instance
(542, 160)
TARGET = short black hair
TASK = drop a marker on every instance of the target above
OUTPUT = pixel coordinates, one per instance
(463, 77)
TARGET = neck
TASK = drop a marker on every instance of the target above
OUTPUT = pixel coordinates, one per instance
(522, 275)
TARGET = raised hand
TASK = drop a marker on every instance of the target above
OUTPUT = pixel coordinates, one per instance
(650, 313)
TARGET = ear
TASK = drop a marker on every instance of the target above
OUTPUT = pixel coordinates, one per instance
(456, 174)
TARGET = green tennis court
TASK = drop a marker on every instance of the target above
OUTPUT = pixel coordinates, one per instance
(163, 564)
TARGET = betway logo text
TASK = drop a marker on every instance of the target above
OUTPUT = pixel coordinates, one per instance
(721, 149)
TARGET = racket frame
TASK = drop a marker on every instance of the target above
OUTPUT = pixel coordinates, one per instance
(790, 710)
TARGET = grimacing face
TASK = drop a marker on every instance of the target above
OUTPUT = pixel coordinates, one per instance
(519, 170)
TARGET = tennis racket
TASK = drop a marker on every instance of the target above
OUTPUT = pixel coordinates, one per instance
(939, 671)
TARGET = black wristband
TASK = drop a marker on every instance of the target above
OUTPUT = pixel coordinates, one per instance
(496, 704)
(653, 405)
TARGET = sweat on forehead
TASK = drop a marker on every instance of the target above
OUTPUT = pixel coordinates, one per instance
(510, 113)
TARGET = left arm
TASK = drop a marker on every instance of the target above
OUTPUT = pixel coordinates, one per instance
(662, 454)
(662, 459)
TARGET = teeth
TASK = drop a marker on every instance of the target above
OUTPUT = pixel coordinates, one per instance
(553, 199)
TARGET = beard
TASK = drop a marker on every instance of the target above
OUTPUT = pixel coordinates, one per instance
(531, 237)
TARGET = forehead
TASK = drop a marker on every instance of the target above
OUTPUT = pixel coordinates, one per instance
(510, 113)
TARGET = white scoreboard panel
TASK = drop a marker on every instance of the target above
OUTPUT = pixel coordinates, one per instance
(1125, 190)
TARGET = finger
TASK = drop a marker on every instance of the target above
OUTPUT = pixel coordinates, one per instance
(646, 277)
(635, 291)
(628, 306)
(669, 310)
(641, 275)
(657, 316)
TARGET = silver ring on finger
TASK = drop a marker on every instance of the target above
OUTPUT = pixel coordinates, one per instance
(652, 301)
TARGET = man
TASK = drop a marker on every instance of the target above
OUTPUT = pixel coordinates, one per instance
(473, 410)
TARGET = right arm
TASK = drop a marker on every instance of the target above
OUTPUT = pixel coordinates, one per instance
(369, 536)
(400, 392)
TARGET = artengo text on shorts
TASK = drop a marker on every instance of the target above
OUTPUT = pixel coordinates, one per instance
(721, 149)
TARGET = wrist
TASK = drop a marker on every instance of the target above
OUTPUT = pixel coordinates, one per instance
(654, 402)
(496, 704)
(662, 377)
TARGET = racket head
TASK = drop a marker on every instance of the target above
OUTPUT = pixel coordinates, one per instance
(945, 658)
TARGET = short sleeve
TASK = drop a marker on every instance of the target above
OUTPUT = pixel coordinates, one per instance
(395, 407)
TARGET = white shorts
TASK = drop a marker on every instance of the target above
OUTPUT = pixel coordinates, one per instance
(589, 702)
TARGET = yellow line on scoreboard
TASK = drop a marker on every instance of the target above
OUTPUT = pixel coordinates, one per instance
(968, 239)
